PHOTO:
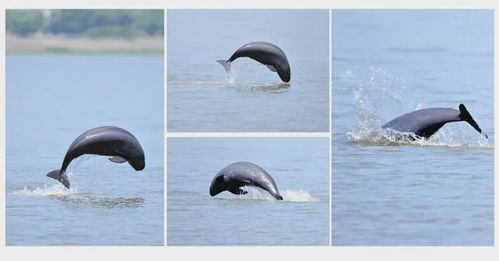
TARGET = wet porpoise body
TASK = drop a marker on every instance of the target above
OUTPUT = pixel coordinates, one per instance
(424, 123)
(105, 141)
(265, 53)
(239, 174)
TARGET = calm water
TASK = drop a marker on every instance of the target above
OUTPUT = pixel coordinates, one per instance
(203, 97)
(386, 63)
(196, 218)
(50, 101)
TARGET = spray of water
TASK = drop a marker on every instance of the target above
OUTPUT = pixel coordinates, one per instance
(257, 194)
(44, 191)
(78, 198)
(74, 195)
(230, 77)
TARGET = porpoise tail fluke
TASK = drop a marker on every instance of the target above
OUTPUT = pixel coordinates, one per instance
(466, 116)
(225, 64)
(60, 176)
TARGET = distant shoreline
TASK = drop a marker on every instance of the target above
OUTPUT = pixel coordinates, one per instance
(52, 44)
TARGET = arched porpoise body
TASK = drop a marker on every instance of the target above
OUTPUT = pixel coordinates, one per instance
(266, 53)
(239, 174)
(426, 122)
(105, 141)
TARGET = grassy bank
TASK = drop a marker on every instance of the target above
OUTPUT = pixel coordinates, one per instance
(39, 44)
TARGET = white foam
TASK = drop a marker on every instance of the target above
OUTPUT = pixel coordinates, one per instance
(298, 196)
(202, 83)
(45, 191)
(287, 195)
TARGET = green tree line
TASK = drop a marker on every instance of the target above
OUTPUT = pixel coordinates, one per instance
(86, 23)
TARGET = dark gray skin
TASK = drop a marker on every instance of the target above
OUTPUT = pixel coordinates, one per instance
(239, 174)
(424, 123)
(265, 53)
(105, 141)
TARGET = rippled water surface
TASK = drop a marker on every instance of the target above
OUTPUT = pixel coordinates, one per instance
(388, 192)
(51, 100)
(298, 166)
(203, 97)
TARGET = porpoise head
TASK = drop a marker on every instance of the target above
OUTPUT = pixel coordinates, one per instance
(284, 72)
(217, 185)
(137, 163)
(134, 154)
(278, 197)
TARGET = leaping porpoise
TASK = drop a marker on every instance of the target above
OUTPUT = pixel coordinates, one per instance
(266, 53)
(105, 141)
(239, 174)
(426, 122)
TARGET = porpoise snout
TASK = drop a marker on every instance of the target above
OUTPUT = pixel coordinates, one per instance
(285, 75)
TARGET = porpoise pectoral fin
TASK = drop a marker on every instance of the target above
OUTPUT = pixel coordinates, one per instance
(271, 67)
(238, 191)
(117, 159)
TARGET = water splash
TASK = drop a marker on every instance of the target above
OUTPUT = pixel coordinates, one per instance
(258, 194)
(298, 196)
(78, 198)
(254, 86)
(443, 138)
(231, 76)
(246, 82)
(376, 98)
(230, 82)
(45, 191)
(81, 160)
(200, 83)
